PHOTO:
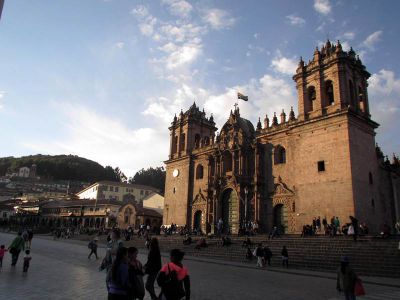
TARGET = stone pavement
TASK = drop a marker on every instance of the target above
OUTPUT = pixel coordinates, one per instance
(61, 270)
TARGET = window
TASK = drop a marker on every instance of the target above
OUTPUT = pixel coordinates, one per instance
(111, 188)
(116, 189)
(312, 95)
(373, 202)
(174, 190)
(206, 141)
(279, 155)
(97, 209)
(371, 181)
(321, 166)
(141, 192)
(329, 92)
(174, 144)
(228, 161)
(197, 141)
(105, 188)
(199, 172)
(91, 209)
(182, 142)
(146, 193)
(126, 219)
(127, 190)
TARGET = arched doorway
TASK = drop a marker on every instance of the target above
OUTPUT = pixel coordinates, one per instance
(197, 220)
(230, 211)
(280, 218)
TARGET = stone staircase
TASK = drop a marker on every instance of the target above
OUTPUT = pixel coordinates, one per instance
(368, 256)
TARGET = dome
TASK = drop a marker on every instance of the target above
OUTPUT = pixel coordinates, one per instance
(238, 122)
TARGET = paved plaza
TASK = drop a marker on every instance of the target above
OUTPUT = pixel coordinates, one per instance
(61, 270)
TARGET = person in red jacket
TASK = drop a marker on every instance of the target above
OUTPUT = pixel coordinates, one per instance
(173, 278)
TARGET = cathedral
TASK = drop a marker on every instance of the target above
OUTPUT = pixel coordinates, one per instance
(321, 162)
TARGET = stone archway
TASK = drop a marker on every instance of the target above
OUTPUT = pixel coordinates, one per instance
(230, 211)
(197, 220)
(281, 218)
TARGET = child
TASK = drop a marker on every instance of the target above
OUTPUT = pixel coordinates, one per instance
(27, 259)
(2, 252)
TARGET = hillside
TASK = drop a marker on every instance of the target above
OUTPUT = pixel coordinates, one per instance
(60, 167)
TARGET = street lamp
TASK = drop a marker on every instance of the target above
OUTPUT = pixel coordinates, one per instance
(246, 191)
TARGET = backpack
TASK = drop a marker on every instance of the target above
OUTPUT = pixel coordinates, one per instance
(172, 287)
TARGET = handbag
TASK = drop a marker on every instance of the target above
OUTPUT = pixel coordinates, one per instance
(359, 288)
(13, 250)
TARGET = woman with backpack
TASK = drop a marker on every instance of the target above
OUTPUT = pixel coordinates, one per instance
(118, 276)
(152, 267)
(173, 278)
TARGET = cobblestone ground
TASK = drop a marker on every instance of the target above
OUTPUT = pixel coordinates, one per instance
(61, 270)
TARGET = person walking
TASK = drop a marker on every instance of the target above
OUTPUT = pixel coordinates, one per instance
(259, 253)
(285, 257)
(346, 279)
(15, 248)
(93, 247)
(152, 267)
(136, 273)
(118, 276)
(173, 278)
(27, 260)
(267, 255)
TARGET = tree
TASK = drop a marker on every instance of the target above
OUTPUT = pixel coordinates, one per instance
(154, 177)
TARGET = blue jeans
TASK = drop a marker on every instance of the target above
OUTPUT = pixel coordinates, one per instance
(349, 296)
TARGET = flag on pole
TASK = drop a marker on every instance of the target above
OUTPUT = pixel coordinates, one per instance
(243, 97)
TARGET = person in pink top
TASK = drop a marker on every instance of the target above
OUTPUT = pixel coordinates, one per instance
(2, 252)
(173, 278)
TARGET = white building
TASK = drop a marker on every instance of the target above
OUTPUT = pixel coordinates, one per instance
(24, 172)
(117, 191)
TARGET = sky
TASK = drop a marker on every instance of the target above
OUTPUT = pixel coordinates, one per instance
(102, 79)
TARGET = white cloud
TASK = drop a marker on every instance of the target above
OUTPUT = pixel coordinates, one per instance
(218, 18)
(147, 27)
(349, 35)
(295, 20)
(1, 97)
(120, 45)
(140, 11)
(182, 33)
(106, 140)
(284, 65)
(169, 47)
(179, 8)
(384, 100)
(372, 40)
(322, 6)
(183, 55)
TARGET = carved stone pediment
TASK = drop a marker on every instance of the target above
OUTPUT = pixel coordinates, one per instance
(200, 199)
(283, 195)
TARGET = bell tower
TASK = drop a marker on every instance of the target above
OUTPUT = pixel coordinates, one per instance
(192, 130)
(333, 80)
(190, 134)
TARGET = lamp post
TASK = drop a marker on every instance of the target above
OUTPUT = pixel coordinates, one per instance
(246, 191)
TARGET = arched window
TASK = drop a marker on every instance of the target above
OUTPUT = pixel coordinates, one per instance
(197, 141)
(206, 141)
(371, 181)
(174, 144)
(312, 95)
(361, 98)
(228, 161)
(182, 142)
(279, 155)
(329, 92)
(199, 172)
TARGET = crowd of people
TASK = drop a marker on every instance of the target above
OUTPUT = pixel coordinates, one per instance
(125, 272)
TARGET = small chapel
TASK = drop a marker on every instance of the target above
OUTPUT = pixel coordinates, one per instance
(319, 162)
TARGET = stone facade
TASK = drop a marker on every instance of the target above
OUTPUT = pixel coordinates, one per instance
(324, 162)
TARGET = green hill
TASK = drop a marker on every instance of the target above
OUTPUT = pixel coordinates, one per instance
(60, 167)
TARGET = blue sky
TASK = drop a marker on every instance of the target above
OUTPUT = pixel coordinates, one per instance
(102, 79)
